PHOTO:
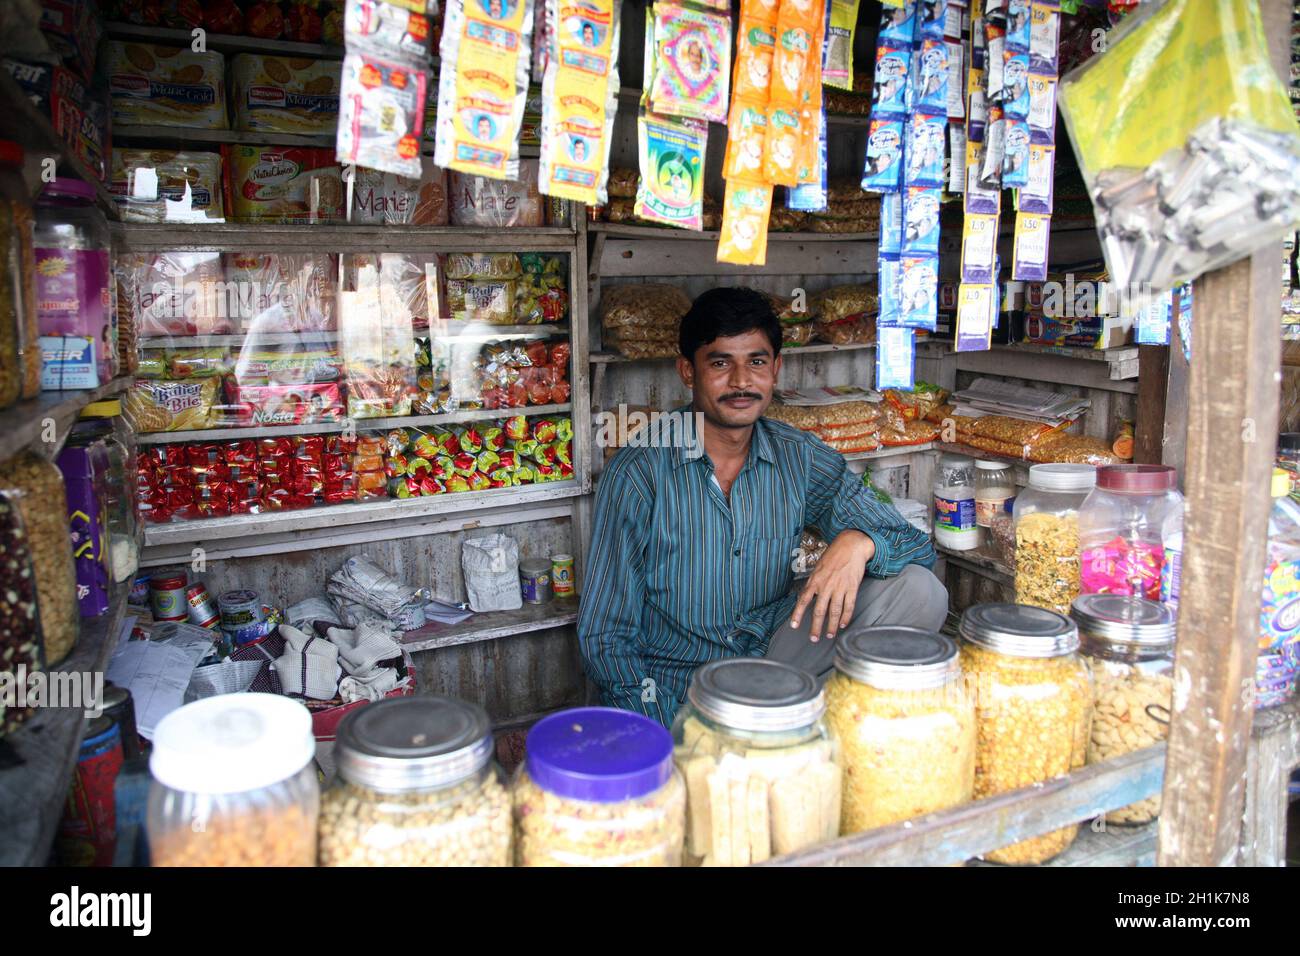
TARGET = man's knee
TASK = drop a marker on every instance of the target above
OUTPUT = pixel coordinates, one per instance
(915, 598)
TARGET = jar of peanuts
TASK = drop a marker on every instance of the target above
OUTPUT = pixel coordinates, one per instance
(234, 784)
(1128, 645)
(416, 786)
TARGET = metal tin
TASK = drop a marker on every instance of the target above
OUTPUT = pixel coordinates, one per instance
(535, 581)
(167, 595)
(1019, 630)
(202, 612)
(898, 658)
(754, 694)
(559, 212)
(413, 743)
(562, 575)
(240, 609)
(119, 707)
(88, 830)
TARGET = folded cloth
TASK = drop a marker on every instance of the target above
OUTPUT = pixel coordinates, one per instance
(309, 665)
(383, 681)
(362, 648)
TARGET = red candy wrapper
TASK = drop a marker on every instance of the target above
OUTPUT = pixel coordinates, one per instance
(516, 427)
(544, 431)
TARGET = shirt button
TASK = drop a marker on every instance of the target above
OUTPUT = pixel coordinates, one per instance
(737, 552)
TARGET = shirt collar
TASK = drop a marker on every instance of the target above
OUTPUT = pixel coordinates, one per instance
(760, 443)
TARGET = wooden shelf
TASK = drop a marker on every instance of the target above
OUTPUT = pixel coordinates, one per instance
(22, 122)
(489, 626)
(817, 348)
(957, 448)
(360, 424)
(888, 451)
(33, 792)
(633, 231)
(981, 561)
(446, 331)
(188, 135)
(337, 238)
(1122, 360)
(24, 423)
(460, 503)
(223, 42)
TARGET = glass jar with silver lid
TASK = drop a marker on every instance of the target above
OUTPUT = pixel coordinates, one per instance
(416, 786)
(761, 766)
(905, 723)
(1033, 708)
(1128, 646)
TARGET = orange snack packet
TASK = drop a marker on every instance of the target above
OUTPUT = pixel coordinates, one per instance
(745, 211)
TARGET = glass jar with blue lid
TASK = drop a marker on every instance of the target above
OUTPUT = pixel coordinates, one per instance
(598, 788)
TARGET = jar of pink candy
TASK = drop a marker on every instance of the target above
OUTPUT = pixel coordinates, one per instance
(1130, 529)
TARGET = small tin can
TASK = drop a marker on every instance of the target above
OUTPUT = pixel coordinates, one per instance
(595, 213)
(88, 830)
(559, 212)
(240, 609)
(167, 595)
(119, 707)
(535, 581)
(562, 575)
(202, 612)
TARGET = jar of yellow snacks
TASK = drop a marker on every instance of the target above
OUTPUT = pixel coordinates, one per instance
(1046, 520)
(905, 723)
(1033, 708)
(234, 784)
(761, 770)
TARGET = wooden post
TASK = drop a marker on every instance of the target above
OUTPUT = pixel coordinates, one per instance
(1149, 424)
(1231, 424)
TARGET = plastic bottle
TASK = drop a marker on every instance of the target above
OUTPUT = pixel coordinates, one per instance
(954, 503)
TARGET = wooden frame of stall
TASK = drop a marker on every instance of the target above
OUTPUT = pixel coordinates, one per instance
(1224, 770)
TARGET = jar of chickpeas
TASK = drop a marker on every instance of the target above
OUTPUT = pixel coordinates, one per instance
(416, 786)
(1033, 708)
(234, 784)
(1128, 645)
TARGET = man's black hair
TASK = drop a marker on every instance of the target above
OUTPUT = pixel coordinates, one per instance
(720, 313)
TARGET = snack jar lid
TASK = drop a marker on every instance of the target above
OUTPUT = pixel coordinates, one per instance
(897, 658)
(1137, 479)
(755, 694)
(1124, 619)
(414, 743)
(1063, 477)
(232, 743)
(66, 187)
(599, 754)
(1019, 630)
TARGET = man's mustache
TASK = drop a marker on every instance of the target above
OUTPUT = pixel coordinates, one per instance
(730, 395)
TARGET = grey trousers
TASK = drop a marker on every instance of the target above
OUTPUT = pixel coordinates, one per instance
(914, 598)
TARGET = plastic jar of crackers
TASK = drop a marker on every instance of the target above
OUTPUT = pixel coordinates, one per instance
(1033, 708)
(761, 765)
(234, 784)
(416, 786)
(1046, 516)
(1128, 645)
(599, 788)
(906, 725)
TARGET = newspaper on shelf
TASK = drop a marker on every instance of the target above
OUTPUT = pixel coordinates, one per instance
(827, 395)
(987, 396)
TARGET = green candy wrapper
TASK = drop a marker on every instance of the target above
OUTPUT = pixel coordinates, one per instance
(464, 464)
(544, 430)
(564, 429)
(564, 451)
(494, 439)
(457, 483)
(419, 467)
(525, 475)
(425, 446)
(448, 442)
(397, 488)
(471, 440)
(545, 454)
(525, 447)
(487, 461)
(516, 427)
(479, 481)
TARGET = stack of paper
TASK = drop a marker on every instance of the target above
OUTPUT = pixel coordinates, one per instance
(827, 395)
(987, 396)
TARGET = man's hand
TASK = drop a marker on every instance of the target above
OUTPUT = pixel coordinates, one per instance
(834, 582)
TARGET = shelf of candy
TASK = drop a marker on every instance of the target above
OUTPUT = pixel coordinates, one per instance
(196, 480)
(510, 373)
(504, 454)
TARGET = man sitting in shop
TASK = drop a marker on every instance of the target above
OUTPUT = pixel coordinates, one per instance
(693, 540)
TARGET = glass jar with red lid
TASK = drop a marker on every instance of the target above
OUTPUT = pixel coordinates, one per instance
(1130, 527)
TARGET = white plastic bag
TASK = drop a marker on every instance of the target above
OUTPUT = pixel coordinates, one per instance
(491, 566)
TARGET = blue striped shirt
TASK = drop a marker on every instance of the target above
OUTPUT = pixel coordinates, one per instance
(678, 576)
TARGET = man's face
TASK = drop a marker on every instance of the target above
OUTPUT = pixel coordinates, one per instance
(484, 129)
(732, 379)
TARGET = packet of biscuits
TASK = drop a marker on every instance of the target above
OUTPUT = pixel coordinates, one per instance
(284, 184)
(165, 86)
(381, 116)
(380, 198)
(167, 185)
(168, 406)
(279, 94)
